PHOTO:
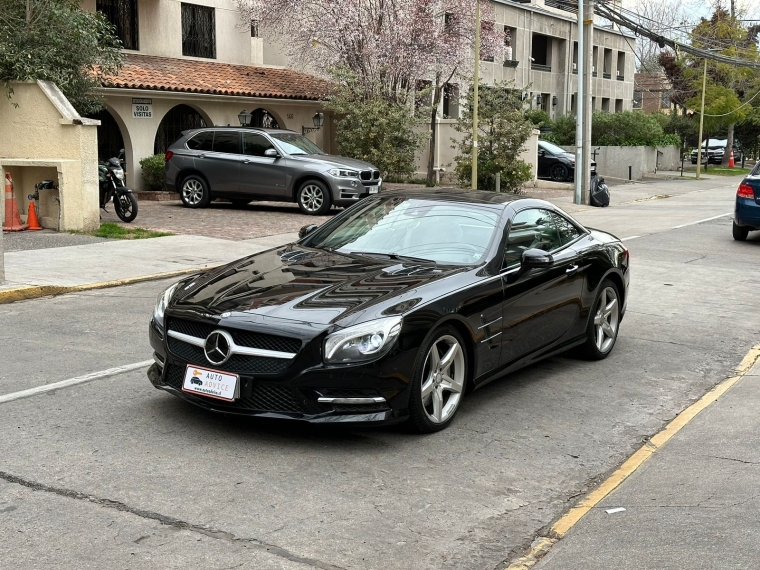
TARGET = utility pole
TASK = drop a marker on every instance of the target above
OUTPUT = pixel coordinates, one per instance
(586, 31)
(476, 80)
(702, 122)
(2, 218)
(580, 107)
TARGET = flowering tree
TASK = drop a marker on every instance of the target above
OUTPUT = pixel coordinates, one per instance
(387, 45)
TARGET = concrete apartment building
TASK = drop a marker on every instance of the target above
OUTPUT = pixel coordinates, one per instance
(196, 63)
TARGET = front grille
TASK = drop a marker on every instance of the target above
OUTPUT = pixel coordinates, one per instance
(366, 175)
(264, 397)
(375, 174)
(237, 363)
(241, 337)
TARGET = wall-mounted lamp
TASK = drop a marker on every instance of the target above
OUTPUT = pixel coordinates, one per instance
(245, 118)
(319, 120)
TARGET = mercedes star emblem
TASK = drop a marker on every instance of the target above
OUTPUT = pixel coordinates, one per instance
(218, 347)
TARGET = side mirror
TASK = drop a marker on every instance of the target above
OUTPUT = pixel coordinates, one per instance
(306, 230)
(541, 153)
(536, 259)
(271, 153)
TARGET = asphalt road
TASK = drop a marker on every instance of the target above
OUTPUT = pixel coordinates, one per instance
(114, 473)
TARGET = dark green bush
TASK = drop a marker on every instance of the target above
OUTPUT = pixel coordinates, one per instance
(153, 171)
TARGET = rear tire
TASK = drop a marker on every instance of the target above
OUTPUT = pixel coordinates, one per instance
(740, 233)
(194, 192)
(559, 173)
(313, 198)
(603, 323)
(439, 380)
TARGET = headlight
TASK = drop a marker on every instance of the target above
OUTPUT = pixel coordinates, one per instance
(343, 173)
(118, 173)
(162, 303)
(362, 342)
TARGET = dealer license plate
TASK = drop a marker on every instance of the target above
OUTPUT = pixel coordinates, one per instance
(211, 383)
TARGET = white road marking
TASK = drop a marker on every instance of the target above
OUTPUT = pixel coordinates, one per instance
(74, 381)
(630, 238)
(701, 221)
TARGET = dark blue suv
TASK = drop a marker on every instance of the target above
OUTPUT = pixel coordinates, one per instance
(747, 212)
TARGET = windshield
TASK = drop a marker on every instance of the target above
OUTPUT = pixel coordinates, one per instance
(552, 148)
(443, 232)
(292, 143)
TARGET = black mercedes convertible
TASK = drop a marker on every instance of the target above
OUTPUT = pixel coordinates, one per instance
(392, 311)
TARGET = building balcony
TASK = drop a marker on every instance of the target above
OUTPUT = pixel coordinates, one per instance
(540, 67)
(510, 63)
(620, 78)
(606, 75)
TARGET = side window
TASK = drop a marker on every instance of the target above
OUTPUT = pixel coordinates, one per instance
(227, 142)
(565, 228)
(255, 144)
(200, 141)
(530, 229)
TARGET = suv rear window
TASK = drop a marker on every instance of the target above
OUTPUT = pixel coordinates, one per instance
(200, 141)
(227, 142)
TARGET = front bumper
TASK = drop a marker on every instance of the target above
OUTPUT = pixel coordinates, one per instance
(348, 191)
(372, 393)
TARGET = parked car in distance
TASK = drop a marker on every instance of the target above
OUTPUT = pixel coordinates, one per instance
(747, 209)
(716, 149)
(245, 164)
(556, 163)
(392, 310)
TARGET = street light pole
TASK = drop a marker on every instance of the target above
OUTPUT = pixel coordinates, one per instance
(580, 107)
(476, 80)
(702, 122)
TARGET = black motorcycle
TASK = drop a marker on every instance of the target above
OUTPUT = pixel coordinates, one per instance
(111, 178)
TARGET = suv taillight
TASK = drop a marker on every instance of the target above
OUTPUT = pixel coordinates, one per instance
(168, 155)
(745, 191)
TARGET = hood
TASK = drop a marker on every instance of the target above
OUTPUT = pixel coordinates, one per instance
(310, 286)
(333, 160)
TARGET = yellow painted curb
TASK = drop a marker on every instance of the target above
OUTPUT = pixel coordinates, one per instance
(559, 529)
(36, 291)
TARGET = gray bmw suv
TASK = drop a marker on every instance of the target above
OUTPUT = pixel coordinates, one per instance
(245, 164)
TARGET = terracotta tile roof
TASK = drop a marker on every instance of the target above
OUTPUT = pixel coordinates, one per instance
(191, 76)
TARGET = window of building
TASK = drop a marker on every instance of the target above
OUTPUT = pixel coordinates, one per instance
(448, 22)
(607, 70)
(595, 61)
(575, 57)
(198, 31)
(593, 103)
(606, 104)
(450, 101)
(573, 108)
(621, 66)
(423, 95)
(540, 53)
(665, 101)
(510, 43)
(638, 97)
(254, 28)
(122, 14)
(618, 105)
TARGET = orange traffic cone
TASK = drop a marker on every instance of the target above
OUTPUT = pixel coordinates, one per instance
(731, 162)
(32, 220)
(12, 221)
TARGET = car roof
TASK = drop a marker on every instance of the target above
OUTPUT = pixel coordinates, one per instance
(238, 128)
(480, 197)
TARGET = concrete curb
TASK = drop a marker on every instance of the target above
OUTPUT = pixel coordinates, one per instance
(36, 291)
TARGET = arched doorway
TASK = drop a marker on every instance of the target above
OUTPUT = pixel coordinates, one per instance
(263, 119)
(178, 119)
(110, 140)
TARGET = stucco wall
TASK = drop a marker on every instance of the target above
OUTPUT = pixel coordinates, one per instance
(140, 134)
(614, 161)
(45, 138)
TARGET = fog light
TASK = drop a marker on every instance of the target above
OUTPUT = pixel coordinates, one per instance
(354, 183)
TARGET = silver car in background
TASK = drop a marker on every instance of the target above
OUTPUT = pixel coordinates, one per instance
(244, 164)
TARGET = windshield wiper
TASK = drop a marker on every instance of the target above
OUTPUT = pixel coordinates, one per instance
(395, 256)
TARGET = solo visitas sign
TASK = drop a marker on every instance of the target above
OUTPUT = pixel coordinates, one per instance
(142, 108)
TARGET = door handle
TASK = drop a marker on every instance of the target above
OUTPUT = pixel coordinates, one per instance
(572, 269)
(201, 156)
(245, 161)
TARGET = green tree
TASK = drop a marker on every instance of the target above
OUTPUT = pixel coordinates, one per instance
(684, 127)
(562, 131)
(629, 128)
(58, 41)
(370, 127)
(502, 133)
(748, 132)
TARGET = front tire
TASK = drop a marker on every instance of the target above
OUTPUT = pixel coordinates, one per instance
(603, 323)
(125, 206)
(439, 381)
(740, 233)
(313, 198)
(195, 192)
(559, 173)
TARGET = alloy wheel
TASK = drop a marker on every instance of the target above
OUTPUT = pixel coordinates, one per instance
(192, 192)
(442, 379)
(312, 198)
(606, 320)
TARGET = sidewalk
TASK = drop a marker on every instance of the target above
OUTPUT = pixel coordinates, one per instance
(36, 272)
(695, 504)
